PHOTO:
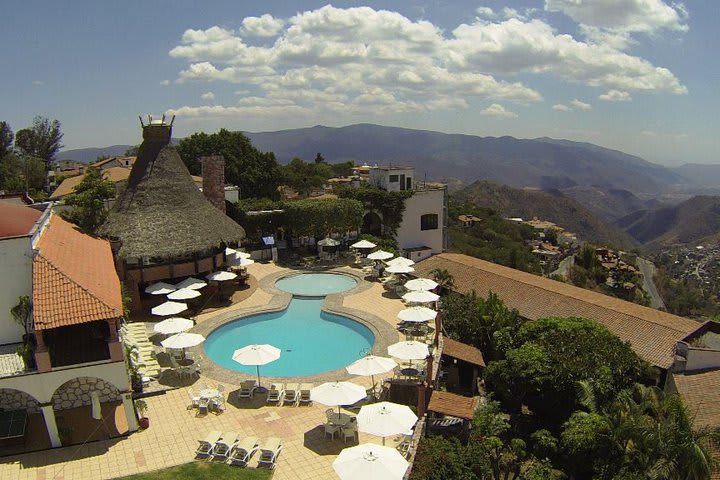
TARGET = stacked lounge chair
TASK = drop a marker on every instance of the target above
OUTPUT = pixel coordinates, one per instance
(269, 451)
(134, 336)
(243, 450)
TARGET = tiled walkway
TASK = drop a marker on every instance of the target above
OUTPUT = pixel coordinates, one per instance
(174, 430)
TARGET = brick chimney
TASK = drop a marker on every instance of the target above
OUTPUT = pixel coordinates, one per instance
(213, 175)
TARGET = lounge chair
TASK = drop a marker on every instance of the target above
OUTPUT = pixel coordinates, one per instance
(292, 394)
(269, 452)
(207, 444)
(223, 446)
(247, 389)
(241, 453)
(276, 393)
(305, 393)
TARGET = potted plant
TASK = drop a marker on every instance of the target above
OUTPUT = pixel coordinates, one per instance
(141, 408)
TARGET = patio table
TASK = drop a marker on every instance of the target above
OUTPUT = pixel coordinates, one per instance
(209, 393)
(340, 420)
(410, 372)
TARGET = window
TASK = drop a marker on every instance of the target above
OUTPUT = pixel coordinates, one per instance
(429, 221)
(394, 178)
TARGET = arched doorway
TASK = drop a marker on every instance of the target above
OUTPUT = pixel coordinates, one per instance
(27, 429)
(372, 224)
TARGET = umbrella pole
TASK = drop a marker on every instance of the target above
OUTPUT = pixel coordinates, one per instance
(258, 375)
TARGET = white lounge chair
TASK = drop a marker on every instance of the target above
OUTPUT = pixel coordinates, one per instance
(276, 393)
(241, 453)
(223, 446)
(292, 394)
(305, 393)
(269, 452)
(206, 445)
(247, 389)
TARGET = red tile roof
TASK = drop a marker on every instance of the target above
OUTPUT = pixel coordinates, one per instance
(651, 333)
(451, 404)
(462, 351)
(701, 393)
(17, 220)
(74, 279)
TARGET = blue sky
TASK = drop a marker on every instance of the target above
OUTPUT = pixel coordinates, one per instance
(637, 75)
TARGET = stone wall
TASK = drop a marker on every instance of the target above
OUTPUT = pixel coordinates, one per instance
(76, 393)
(213, 175)
(15, 400)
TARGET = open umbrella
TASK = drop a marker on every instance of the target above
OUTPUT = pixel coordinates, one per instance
(385, 419)
(256, 355)
(417, 314)
(221, 276)
(328, 242)
(173, 325)
(183, 340)
(183, 294)
(230, 251)
(371, 365)
(400, 261)
(420, 284)
(240, 254)
(335, 394)
(380, 255)
(370, 461)
(160, 288)
(422, 296)
(191, 283)
(397, 268)
(169, 308)
(244, 262)
(363, 244)
(408, 350)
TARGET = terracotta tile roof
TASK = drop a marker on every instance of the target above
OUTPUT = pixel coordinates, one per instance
(74, 279)
(701, 393)
(462, 351)
(451, 404)
(651, 333)
(17, 220)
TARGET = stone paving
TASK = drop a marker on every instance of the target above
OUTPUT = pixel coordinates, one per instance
(175, 429)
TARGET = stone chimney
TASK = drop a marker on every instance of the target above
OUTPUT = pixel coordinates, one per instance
(213, 175)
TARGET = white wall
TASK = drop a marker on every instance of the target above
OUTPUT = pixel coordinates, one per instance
(700, 359)
(381, 178)
(15, 280)
(422, 202)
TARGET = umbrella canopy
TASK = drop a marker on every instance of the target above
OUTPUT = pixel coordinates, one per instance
(400, 261)
(421, 296)
(370, 461)
(385, 418)
(191, 283)
(169, 308)
(328, 242)
(420, 284)
(173, 325)
(230, 251)
(363, 244)
(242, 255)
(183, 340)
(397, 268)
(221, 276)
(256, 355)
(408, 350)
(417, 314)
(244, 262)
(380, 255)
(160, 288)
(183, 294)
(371, 365)
(337, 393)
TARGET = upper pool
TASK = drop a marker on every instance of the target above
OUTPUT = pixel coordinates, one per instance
(316, 284)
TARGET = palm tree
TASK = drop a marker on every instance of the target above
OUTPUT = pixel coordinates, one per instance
(444, 279)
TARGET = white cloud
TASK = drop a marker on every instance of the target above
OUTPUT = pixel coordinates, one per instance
(165, 82)
(649, 133)
(485, 12)
(37, 83)
(263, 26)
(561, 108)
(496, 110)
(615, 96)
(208, 96)
(578, 105)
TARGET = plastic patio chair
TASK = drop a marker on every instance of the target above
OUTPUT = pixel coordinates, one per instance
(241, 453)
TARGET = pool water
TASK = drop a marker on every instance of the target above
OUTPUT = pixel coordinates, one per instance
(311, 341)
(316, 284)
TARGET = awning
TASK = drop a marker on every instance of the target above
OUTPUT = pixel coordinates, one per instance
(462, 351)
(452, 404)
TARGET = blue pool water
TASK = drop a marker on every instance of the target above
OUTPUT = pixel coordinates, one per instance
(316, 284)
(311, 341)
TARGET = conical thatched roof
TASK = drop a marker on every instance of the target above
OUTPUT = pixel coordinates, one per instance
(161, 213)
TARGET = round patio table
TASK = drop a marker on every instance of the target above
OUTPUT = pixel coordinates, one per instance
(209, 393)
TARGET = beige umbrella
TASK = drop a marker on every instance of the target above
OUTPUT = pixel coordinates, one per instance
(336, 394)
(256, 355)
(192, 283)
(417, 314)
(421, 296)
(183, 294)
(173, 325)
(160, 288)
(420, 284)
(380, 255)
(363, 244)
(370, 461)
(221, 276)
(384, 419)
(400, 261)
(397, 268)
(169, 308)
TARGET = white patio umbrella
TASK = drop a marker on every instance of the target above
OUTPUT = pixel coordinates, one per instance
(397, 268)
(191, 283)
(256, 355)
(160, 288)
(420, 284)
(169, 308)
(384, 419)
(335, 394)
(183, 340)
(173, 325)
(370, 461)
(328, 242)
(244, 262)
(242, 254)
(422, 296)
(363, 244)
(400, 261)
(409, 350)
(380, 255)
(371, 365)
(230, 251)
(417, 314)
(183, 294)
(221, 276)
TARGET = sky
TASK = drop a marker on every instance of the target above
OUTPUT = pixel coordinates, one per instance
(639, 76)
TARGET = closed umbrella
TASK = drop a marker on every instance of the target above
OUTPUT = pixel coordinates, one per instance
(371, 365)
(417, 314)
(183, 294)
(398, 268)
(183, 340)
(256, 355)
(380, 255)
(422, 296)
(335, 394)
(400, 261)
(160, 288)
(191, 283)
(221, 276)
(363, 244)
(173, 325)
(370, 461)
(384, 419)
(420, 284)
(169, 308)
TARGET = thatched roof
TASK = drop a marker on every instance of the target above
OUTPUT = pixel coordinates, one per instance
(161, 213)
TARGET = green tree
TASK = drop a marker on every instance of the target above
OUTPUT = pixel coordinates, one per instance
(41, 140)
(256, 173)
(88, 201)
(22, 173)
(6, 139)
(132, 151)
(320, 217)
(390, 205)
(319, 158)
(303, 177)
(444, 279)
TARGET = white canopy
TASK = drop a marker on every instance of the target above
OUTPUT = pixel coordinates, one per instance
(173, 325)
(183, 294)
(420, 284)
(183, 340)
(397, 268)
(230, 251)
(256, 355)
(191, 283)
(417, 314)
(371, 365)
(242, 255)
(380, 255)
(421, 296)
(169, 308)
(160, 288)
(337, 393)
(408, 350)
(400, 261)
(328, 242)
(221, 276)
(385, 418)
(363, 244)
(370, 461)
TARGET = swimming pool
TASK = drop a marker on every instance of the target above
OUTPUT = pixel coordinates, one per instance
(311, 341)
(316, 284)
